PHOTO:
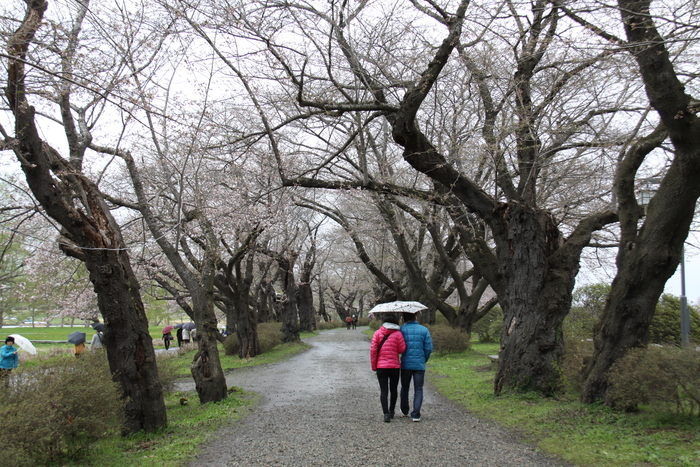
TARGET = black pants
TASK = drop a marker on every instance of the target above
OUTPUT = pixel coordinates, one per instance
(388, 382)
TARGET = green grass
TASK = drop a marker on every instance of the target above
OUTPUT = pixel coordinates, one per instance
(181, 364)
(188, 427)
(582, 434)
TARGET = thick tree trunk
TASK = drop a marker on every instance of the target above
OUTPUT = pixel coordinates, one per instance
(231, 317)
(290, 320)
(626, 318)
(322, 304)
(647, 257)
(307, 314)
(209, 378)
(535, 302)
(266, 302)
(129, 346)
(247, 325)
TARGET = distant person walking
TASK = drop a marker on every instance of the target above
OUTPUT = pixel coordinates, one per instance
(384, 351)
(8, 359)
(419, 346)
(96, 342)
(167, 337)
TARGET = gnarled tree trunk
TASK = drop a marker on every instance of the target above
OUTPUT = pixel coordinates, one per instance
(647, 257)
(95, 238)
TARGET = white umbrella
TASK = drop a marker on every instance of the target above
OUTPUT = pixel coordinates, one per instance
(24, 343)
(399, 307)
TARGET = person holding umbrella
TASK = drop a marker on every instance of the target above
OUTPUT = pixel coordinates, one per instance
(96, 342)
(419, 346)
(387, 344)
(77, 338)
(167, 336)
(8, 359)
(178, 334)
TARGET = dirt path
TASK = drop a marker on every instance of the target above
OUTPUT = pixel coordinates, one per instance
(321, 408)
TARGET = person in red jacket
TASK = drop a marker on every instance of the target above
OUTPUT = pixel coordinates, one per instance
(384, 351)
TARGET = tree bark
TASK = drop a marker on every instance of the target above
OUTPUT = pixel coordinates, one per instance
(247, 324)
(209, 377)
(289, 312)
(96, 240)
(647, 257)
(531, 340)
(307, 314)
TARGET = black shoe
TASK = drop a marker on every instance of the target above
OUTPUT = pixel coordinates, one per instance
(391, 414)
(387, 418)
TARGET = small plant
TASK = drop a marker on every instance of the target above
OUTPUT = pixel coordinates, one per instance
(55, 412)
(489, 328)
(576, 353)
(667, 377)
(269, 335)
(231, 345)
(447, 339)
(326, 325)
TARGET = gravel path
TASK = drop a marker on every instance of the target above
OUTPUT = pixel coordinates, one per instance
(321, 408)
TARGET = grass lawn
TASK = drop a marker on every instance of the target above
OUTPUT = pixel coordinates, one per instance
(582, 434)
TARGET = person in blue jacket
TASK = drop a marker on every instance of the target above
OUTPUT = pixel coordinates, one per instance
(419, 346)
(8, 358)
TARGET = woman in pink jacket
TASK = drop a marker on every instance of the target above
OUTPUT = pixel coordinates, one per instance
(384, 351)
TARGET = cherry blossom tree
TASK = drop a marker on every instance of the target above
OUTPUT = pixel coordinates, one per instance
(70, 197)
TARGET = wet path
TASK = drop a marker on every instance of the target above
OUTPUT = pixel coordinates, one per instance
(321, 408)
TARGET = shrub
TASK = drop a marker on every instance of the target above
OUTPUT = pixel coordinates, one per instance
(666, 377)
(490, 326)
(52, 413)
(448, 340)
(325, 325)
(269, 335)
(577, 353)
(364, 321)
(375, 323)
(231, 345)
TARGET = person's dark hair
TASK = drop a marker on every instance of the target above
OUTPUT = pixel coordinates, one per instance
(390, 318)
(10, 339)
(408, 317)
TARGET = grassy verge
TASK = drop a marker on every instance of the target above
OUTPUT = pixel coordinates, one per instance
(180, 364)
(188, 427)
(581, 434)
